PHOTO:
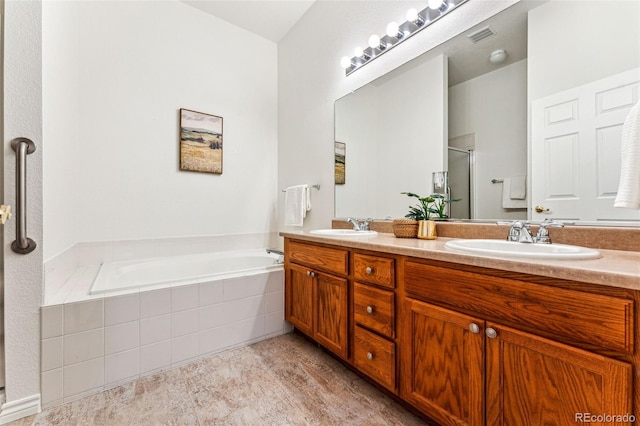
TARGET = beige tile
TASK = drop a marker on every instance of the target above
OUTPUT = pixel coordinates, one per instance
(121, 337)
(79, 347)
(51, 354)
(83, 316)
(51, 321)
(121, 309)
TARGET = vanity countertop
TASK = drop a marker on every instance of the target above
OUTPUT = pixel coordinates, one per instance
(615, 268)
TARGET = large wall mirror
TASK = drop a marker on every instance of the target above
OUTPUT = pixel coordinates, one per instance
(539, 125)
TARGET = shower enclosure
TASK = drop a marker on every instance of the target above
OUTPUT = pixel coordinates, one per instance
(460, 166)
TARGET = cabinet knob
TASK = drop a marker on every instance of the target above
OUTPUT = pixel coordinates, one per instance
(311, 274)
(491, 333)
(369, 270)
(474, 328)
(369, 309)
(369, 356)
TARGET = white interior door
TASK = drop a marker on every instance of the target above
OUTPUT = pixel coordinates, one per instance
(575, 150)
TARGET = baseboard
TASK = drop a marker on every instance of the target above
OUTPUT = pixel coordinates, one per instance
(20, 408)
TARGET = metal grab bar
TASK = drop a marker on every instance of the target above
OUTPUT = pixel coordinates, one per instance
(22, 147)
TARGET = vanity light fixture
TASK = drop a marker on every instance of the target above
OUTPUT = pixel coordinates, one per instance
(414, 16)
(397, 33)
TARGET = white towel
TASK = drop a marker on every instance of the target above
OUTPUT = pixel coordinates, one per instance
(297, 202)
(629, 187)
(507, 201)
(518, 189)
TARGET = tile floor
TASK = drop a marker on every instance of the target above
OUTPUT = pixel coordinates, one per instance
(285, 380)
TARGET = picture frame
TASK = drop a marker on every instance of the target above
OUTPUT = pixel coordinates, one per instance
(201, 142)
(340, 149)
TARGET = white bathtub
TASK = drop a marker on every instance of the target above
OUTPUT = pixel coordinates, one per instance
(181, 270)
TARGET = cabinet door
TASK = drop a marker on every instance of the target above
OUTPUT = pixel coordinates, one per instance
(299, 298)
(442, 363)
(535, 381)
(331, 314)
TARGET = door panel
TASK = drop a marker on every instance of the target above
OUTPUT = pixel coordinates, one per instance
(575, 149)
(299, 307)
(331, 320)
(443, 365)
(535, 381)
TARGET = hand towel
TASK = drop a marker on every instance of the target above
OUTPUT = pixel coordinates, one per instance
(507, 201)
(518, 189)
(628, 195)
(297, 203)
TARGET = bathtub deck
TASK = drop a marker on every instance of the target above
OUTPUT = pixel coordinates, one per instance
(283, 380)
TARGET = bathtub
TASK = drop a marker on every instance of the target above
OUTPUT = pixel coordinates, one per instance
(181, 270)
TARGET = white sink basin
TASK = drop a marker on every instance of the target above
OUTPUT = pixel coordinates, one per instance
(513, 249)
(342, 233)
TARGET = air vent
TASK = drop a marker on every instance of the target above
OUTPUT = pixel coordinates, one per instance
(481, 34)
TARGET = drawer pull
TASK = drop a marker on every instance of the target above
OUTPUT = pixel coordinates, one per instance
(311, 274)
(369, 356)
(474, 328)
(369, 270)
(369, 309)
(491, 333)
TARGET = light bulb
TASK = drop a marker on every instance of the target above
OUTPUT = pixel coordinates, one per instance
(374, 41)
(434, 4)
(345, 62)
(412, 15)
(358, 52)
(393, 29)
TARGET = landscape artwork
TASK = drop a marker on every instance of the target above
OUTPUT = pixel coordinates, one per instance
(340, 151)
(200, 142)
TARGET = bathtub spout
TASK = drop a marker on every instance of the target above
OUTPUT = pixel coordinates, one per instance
(280, 253)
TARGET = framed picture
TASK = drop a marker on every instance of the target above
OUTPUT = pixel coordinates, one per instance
(200, 142)
(340, 156)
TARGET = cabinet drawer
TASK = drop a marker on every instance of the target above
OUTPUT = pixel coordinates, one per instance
(374, 309)
(375, 270)
(328, 259)
(375, 356)
(593, 319)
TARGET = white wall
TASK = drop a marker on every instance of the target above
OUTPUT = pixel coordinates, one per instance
(494, 107)
(395, 140)
(310, 79)
(356, 122)
(22, 273)
(115, 75)
(572, 43)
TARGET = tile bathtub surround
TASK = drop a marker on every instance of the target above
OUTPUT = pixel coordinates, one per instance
(94, 345)
(606, 238)
(283, 380)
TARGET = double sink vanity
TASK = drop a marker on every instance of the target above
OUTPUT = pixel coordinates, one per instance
(477, 338)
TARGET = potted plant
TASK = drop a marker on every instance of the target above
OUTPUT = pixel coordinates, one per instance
(422, 213)
(431, 206)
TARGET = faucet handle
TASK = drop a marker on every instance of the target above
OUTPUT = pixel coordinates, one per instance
(542, 237)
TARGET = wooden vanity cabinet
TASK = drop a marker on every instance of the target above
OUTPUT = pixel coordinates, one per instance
(316, 294)
(467, 368)
(468, 345)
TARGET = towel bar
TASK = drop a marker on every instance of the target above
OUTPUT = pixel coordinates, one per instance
(317, 186)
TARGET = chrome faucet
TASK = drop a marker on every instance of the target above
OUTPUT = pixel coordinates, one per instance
(359, 224)
(542, 237)
(520, 232)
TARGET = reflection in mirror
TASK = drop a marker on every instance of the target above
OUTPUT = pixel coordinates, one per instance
(398, 130)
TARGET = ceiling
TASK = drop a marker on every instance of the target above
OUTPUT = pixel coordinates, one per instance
(271, 19)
